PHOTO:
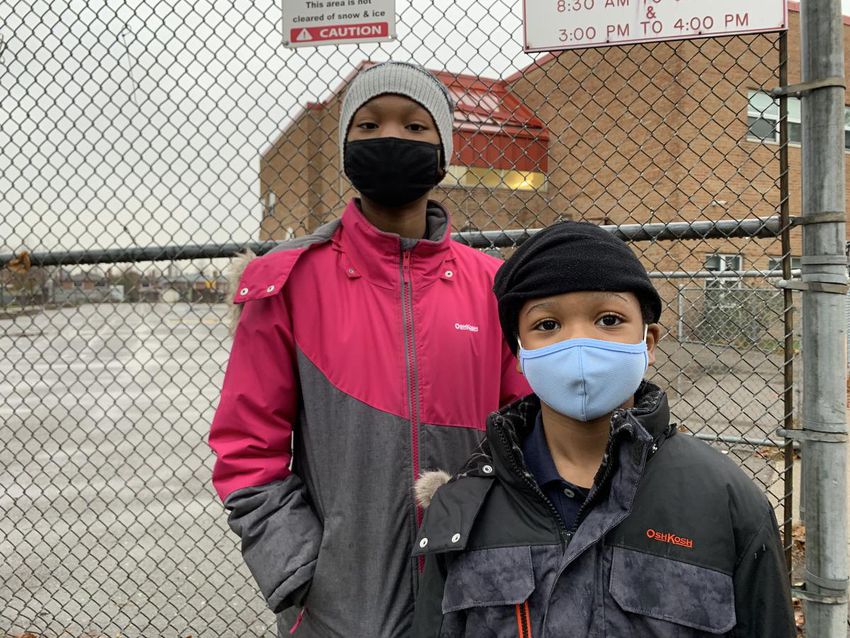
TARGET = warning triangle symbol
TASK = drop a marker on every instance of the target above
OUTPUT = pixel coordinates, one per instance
(303, 35)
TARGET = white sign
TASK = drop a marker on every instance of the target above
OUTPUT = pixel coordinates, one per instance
(572, 24)
(314, 22)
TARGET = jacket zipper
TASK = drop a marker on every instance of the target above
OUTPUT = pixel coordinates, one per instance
(582, 511)
(412, 376)
(564, 535)
(523, 620)
(597, 485)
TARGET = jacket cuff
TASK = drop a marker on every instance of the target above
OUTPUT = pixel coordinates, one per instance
(280, 536)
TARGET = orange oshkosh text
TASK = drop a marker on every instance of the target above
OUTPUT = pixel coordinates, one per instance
(667, 537)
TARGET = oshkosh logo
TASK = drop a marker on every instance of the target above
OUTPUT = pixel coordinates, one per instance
(467, 327)
(666, 537)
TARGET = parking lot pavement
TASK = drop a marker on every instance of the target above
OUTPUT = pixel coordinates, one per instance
(108, 523)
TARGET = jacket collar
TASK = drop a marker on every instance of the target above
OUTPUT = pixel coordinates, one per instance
(378, 255)
(645, 424)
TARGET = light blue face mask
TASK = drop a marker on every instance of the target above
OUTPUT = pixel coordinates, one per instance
(585, 378)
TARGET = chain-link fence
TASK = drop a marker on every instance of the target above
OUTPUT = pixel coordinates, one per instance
(145, 142)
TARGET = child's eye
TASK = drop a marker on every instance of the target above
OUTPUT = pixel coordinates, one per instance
(367, 126)
(609, 320)
(416, 127)
(547, 325)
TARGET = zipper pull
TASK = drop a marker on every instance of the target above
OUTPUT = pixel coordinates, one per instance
(405, 266)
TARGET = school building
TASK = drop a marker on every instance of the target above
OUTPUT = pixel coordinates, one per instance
(647, 133)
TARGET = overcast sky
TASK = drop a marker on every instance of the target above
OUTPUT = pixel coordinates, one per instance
(141, 123)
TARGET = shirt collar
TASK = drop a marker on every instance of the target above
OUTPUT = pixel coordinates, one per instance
(538, 458)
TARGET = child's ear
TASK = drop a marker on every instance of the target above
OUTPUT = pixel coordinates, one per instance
(653, 334)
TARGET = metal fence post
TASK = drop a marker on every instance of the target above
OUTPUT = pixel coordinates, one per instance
(824, 347)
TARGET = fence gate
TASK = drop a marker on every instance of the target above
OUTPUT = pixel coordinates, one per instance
(145, 143)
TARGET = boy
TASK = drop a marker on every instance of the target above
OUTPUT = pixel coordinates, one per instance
(364, 353)
(584, 512)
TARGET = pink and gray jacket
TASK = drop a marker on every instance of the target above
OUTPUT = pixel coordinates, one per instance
(359, 361)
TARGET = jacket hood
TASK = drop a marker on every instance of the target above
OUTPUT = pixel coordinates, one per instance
(651, 413)
(362, 237)
(234, 274)
(376, 254)
(427, 484)
(648, 421)
(453, 509)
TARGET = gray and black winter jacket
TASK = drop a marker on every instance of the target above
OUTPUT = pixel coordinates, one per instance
(674, 540)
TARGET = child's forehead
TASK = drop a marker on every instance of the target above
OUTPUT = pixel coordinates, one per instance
(392, 102)
(581, 298)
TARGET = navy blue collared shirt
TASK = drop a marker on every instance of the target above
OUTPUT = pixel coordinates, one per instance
(566, 497)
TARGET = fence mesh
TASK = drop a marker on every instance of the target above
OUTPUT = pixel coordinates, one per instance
(155, 124)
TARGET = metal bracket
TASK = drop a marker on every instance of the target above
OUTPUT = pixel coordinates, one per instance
(801, 89)
(826, 217)
(823, 599)
(826, 260)
(812, 435)
(812, 286)
(837, 586)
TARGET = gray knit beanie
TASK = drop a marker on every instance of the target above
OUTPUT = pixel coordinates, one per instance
(400, 78)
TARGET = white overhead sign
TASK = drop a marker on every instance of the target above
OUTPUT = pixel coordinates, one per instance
(314, 22)
(571, 24)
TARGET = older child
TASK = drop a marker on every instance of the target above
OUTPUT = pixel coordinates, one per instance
(585, 513)
(365, 353)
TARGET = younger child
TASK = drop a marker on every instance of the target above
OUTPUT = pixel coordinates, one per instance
(584, 512)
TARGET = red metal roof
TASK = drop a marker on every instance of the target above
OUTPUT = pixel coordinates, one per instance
(492, 127)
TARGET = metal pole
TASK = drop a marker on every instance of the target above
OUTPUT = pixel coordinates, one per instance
(788, 310)
(824, 269)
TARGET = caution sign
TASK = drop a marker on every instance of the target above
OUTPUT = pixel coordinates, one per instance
(315, 22)
(570, 24)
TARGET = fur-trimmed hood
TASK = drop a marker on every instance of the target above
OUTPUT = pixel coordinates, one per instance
(427, 484)
(234, 274)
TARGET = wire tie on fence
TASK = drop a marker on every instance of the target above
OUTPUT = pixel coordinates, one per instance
(812, 435)
(804, 88)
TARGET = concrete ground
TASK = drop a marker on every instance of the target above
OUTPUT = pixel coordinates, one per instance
(108, 524)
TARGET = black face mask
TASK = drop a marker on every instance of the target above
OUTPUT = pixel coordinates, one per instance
(391, 171)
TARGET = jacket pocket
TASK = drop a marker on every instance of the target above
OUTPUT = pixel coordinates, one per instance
(487, 592)
(659, 597)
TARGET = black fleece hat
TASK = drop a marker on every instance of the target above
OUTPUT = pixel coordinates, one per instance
(569, 257)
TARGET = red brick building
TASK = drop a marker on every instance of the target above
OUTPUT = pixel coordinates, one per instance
(659, 132)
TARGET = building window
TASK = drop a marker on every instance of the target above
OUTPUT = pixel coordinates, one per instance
(720, 262)
(271, 200)
(847, 128)
(774, 264)
(474, 176)
(763, 118)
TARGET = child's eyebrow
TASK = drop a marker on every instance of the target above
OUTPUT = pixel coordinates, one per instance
(543, 305)
(608, 295)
